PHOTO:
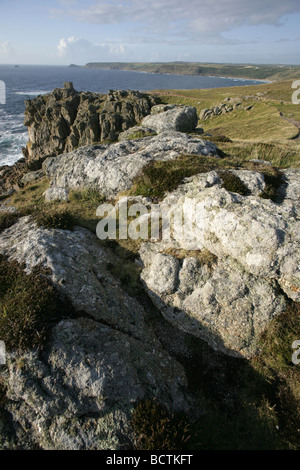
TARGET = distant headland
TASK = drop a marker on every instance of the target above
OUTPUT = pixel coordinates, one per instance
(245, 71)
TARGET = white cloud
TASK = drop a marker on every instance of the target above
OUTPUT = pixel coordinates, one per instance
(190, 18)
(68, 46)
(6, 48)
(82, 50)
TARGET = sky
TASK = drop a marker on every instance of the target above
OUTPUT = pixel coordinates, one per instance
(61, 32)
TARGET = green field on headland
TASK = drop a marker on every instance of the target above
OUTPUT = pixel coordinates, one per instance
(261, 121)
(250, 71)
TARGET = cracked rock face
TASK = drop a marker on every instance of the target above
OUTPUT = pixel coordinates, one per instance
(65, 119)
(78, 269)
(222, 304)
(256, 243)
(79, 392)
(111, 168)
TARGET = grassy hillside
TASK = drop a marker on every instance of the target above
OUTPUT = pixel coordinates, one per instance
(264, 123)
(256, 72)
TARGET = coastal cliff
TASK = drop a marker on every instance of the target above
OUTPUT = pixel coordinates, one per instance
(131, 343)
(66, 119)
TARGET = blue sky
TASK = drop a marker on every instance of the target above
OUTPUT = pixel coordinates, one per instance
(70, 31)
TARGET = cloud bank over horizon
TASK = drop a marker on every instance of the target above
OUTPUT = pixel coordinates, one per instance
(163, 30)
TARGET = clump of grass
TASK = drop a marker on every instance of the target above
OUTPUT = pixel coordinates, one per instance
(233, 183)
(140, 134)
(30, 199)
(88, 197)
(277, 154)
(273, 179)
(7, 219)
(276, 341)
(29, 304)
(79, 210)
(155, 429)
(157, 178)
(129, 275)
(275, 364)
(55, 218)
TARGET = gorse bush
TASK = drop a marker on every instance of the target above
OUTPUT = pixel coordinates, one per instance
(29, 304)
(273, 179)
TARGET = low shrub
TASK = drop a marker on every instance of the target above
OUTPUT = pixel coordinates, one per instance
(273, 179)
(89, 197)
(29, 305)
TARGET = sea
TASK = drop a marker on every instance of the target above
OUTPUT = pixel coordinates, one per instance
(27, 81)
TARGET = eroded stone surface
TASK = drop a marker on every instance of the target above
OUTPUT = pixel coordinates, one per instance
(111, 168)
(80, 391)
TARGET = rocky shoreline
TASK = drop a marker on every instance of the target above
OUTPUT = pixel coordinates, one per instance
(220, 283)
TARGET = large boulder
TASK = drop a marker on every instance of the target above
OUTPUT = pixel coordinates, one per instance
(80, 391)
(178, 118)
(255, 243)
(219, 303)
(111, 168)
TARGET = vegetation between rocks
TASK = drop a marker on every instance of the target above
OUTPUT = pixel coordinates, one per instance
(29, 305)
(156, 429)
(251, 404)
(7, 219)
(246, 405)
(158, 178)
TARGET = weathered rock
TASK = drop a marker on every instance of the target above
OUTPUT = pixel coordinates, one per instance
(257, 232)
(66, 119)
(161, 108)
(78, 266)
(183, 119)
(257, 244)
(56, 194)
(79, 395)
(222, 108)
(32, 176)
(80, 391)
(11, 177)
(289, 191)
(111, 168)
(222, 304)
